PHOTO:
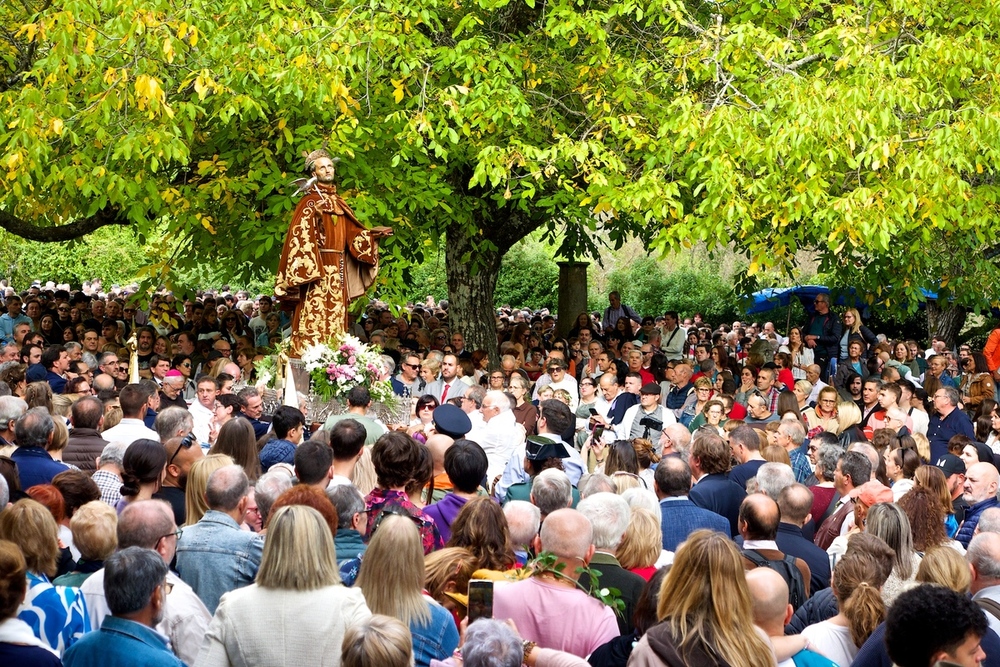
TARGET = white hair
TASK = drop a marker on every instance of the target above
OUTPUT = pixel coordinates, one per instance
(498, 399)
(639, 498)
(609, 515)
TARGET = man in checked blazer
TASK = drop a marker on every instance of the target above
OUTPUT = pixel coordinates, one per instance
(681, 517)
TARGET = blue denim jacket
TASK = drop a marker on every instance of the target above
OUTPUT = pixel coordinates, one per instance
(123, 643)
(214, 557)
(435, 640)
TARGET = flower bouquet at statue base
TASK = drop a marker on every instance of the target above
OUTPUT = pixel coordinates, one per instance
(337, 367)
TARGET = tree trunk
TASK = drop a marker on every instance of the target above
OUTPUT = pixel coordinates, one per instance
(470, 294)
(945, 323)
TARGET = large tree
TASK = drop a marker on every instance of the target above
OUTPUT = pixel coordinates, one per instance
(865, 131)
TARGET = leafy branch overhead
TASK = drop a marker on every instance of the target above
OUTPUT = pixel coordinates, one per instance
(865, 132)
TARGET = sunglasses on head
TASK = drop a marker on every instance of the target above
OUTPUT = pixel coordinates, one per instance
(188, 441)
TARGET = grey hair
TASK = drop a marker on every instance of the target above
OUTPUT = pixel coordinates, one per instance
(773, 477)
(269, 486)
(113, 454)
(827, 458)
(523, 521)
(476, 394)
(388, 363)
(173, 422)
(551, 490)
(953, 396)
(11, 409)
(608, 514)
(227, 486)
(888, 521)
(87, 357)
(595, 483)
(491, 643)
(34, 428)
(130, 577)
(794, 429)
(640, 498)
(498, 399)
(347, 500)
(982, 557)
(4, 493)
(989, 521)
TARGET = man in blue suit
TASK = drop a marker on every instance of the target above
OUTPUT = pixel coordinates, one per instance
(681, 517)
(712, 490)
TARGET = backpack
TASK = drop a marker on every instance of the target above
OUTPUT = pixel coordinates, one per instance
(788, 570)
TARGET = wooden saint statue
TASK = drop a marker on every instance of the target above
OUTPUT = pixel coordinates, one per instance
(328, 259)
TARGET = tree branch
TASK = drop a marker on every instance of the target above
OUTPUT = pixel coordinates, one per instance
(74, 230)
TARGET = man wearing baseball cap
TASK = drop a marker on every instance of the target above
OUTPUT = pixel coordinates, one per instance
(954, 473)
(647, 419)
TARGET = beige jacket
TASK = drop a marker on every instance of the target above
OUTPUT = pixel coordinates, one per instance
(262, 626)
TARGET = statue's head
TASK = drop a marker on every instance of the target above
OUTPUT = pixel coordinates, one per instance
(321, 165)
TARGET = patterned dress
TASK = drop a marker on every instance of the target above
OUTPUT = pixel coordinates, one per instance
(56, 614)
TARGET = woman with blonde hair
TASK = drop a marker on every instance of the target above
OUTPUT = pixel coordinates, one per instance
(392, 579)
(945, 567)
(705, 610)
(642, 543)
(923, 446)
(57, 614)
(888, 521)
(855, 330)
(848, 423)
(379, 641)
(197, 482)
(802, 390)
(446, 577)
(298, 575)
(855, 585)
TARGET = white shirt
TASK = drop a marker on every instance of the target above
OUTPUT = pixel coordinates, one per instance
(129, 430)
(832, 641)
(202, 420)
(501, 436)
(814, 394)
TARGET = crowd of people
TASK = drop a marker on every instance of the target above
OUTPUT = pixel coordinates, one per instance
(640, 490)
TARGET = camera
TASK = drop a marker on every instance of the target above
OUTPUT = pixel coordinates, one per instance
(651, 423)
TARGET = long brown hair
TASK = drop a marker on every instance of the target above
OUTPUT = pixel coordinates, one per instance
(857, 589)
(481, 527)
(706, 601)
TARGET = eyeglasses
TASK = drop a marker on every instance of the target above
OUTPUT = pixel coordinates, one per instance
(186, 443)
(498, 377)
(63, 310)
(224, 350)
(558, 347)
(177, 533)
(415, 367)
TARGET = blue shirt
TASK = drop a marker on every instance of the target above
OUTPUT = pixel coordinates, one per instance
(35, 466)
(124, 643)
(940, 431)
(277, 451)
(7, 324)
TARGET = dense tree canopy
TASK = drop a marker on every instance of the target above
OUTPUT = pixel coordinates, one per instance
(864, 130)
